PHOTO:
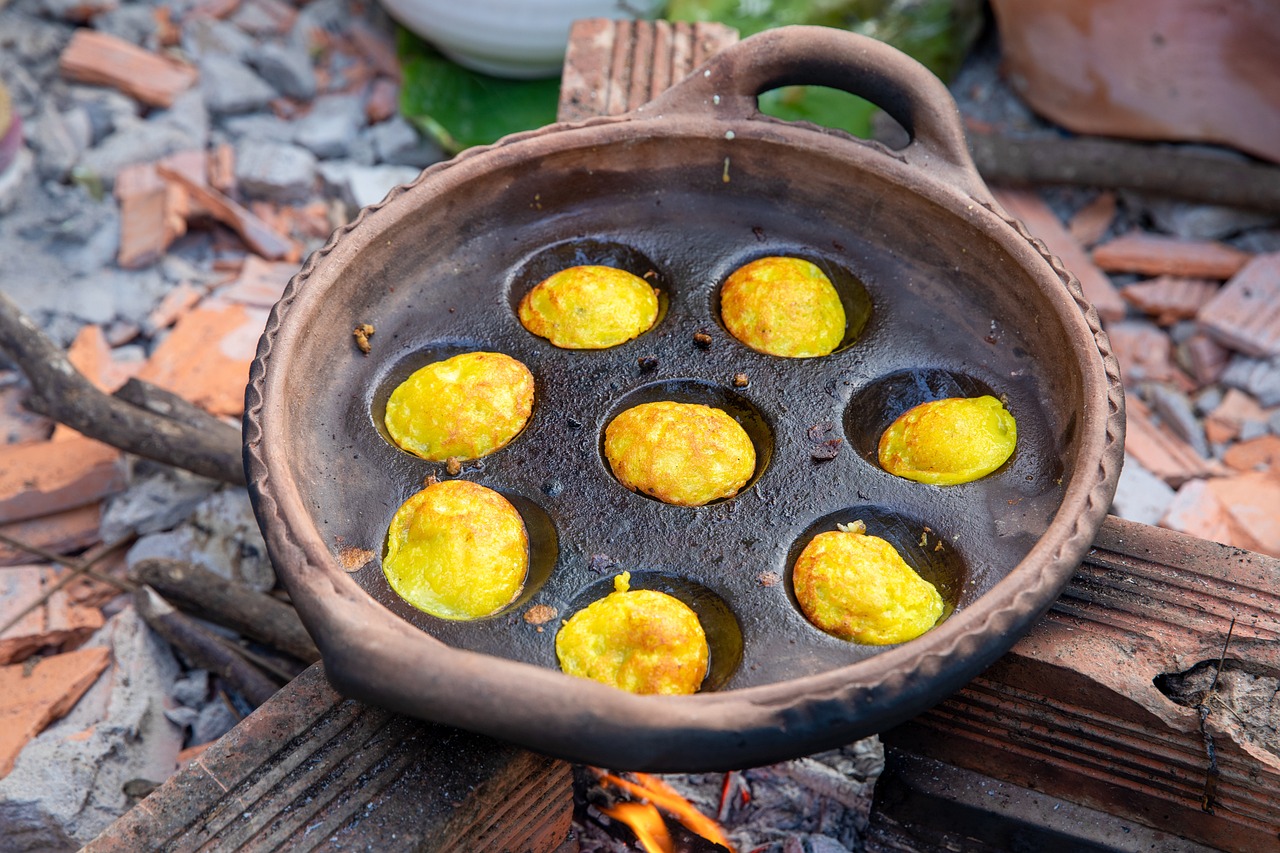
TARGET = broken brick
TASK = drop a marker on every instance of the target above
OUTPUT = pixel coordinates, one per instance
(177, 301)
(1245, 313)
(1224, 422)
(1197, 511)
(1043, 223)
(38, 478)
(222, 168)
(90, 354)
(1205, 358)
(58, 622)
(1151, 254)
(1251, 500)
(102, 59)
(1091, 222)
(1157, 449)
(205, 359)
(1168, 299)
(59, 533)
(32, 697)
(257, 235)
(144, 224)
(1256, 454)
(261, 283)
(1145, 352)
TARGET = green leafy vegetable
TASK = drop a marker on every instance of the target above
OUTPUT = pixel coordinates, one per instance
(459, 107)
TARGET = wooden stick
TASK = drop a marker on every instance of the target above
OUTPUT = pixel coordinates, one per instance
(157, 400)
(1089, 161)
(234, 605)
(64, 394)
(78, 568)
(202, 648)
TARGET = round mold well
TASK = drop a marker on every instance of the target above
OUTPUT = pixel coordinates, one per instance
(874, 407)
(396, 371)
(724, 634)
(920, 545)
(853, 293)
(557, 257)
(544, 552)
(752, 420)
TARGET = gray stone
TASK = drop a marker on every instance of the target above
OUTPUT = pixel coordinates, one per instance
(133, 22)
(60, 139)
(229, 86)
(1183, 330)
(221, 535)
(1140, 495)
(360, 186)
(30, 41)
(77, 10)
(141, 142)
(204, 36)
(1208, 400)
(13, 178)
(68, 783)
(113, 293)
(159, 498)
(107, 110)
(1203, 221)
(192, 690)
(188, 114)
(260, 127)
(214, 720)
(182, 716)
(255, 20)
(391, 137)
(99, 244)
(332, 16)
(1176, 412)
(1261, 241)
(288, 68)
(1256, 376)
(332, 126)
(275, 171)
(1250, 430)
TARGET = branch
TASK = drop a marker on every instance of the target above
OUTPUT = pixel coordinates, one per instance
(64, 394)
(204, 649)
(1085, 161)
(253, 614)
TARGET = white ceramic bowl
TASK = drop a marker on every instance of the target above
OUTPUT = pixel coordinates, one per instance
(508, 38)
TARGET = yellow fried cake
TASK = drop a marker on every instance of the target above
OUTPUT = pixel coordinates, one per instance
(783, 306)
(466, 406)
(950, 441)
(643, 641)
(590, 307)
(680, 453)
(857, 587)
(457, 550)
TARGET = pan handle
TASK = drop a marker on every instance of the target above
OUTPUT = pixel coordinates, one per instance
(728, 86)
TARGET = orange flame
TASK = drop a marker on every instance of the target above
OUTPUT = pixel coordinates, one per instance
(662, 795)
(646, 823)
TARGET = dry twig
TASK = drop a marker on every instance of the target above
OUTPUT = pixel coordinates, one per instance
(1086, 161)
(202, 648)
(253, 614)
(78, 568)
(64, 394)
